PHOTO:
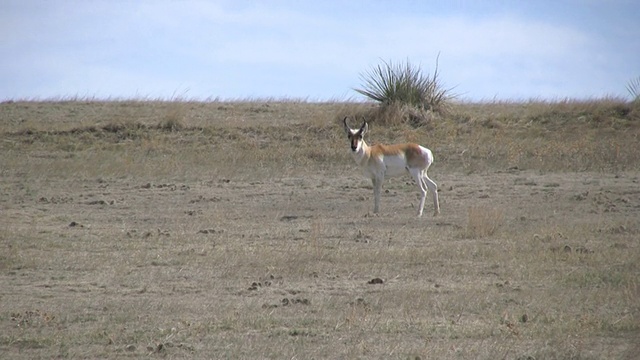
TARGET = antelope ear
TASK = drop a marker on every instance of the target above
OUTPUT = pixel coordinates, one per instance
(347, 129)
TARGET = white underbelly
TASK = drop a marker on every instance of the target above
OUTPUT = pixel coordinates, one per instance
(395, 166)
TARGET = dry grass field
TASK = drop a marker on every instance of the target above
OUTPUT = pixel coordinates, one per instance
(150, 229)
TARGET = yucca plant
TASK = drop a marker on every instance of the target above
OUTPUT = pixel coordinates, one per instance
(404, 84)
(633, 87)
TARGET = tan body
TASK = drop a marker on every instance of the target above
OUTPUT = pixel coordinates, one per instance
(381, 161)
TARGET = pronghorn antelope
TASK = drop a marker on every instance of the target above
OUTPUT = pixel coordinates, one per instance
(380, 161)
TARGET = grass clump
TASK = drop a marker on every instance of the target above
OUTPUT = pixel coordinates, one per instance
(404, 92)
(173, 120)
(483, 221)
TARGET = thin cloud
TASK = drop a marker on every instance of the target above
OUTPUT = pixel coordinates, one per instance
(290, 49)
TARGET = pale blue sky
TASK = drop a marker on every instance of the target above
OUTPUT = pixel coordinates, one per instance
(314, 50)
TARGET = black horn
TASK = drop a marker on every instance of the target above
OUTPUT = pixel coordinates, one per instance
(364, 127)
(346, 126)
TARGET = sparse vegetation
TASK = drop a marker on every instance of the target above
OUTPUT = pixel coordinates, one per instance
(483, 221)
(241, 230)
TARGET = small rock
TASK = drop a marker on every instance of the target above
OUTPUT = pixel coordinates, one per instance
(583, 250)
(207, 231)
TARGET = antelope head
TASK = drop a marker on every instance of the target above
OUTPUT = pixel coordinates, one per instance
(355, 136)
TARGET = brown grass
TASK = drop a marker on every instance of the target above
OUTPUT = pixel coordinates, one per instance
(243, 230)
(483, 221)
